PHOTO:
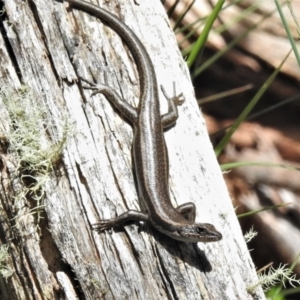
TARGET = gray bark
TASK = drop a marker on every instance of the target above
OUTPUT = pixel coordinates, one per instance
(46, 46)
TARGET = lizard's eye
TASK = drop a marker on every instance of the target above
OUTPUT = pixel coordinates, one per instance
(200, 229)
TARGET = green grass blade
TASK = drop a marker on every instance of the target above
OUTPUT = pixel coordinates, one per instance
(248, 108)
(178, 22)
(222, 95)
(256, 164)
(253, 212)
(253, 116)
(230, 45)
(195, 26)
(243, 15)
(289, 4)
(288, 32)
(203, 37)
(172, 9)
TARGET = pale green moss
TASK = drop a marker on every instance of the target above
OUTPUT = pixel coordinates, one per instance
(273, 277)
(35, 151)
(5, 270)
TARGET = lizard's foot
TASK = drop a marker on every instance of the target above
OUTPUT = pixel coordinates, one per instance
(102, 226)
(97, 88)
(176, 99)
(130, 215)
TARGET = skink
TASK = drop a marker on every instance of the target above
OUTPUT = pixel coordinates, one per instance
(149, 148)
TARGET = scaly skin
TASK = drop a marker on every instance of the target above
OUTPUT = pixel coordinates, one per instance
(149, 148)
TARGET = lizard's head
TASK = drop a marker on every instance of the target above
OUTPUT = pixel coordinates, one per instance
(197, 232)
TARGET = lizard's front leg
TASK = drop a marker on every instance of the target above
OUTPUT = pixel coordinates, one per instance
(130, 215)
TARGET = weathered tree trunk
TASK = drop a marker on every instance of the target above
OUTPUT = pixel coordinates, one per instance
(85, 170)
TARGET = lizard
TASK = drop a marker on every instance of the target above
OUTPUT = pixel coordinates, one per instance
(150, 157)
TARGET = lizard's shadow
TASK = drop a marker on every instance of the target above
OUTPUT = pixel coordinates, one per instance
(190, 253)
